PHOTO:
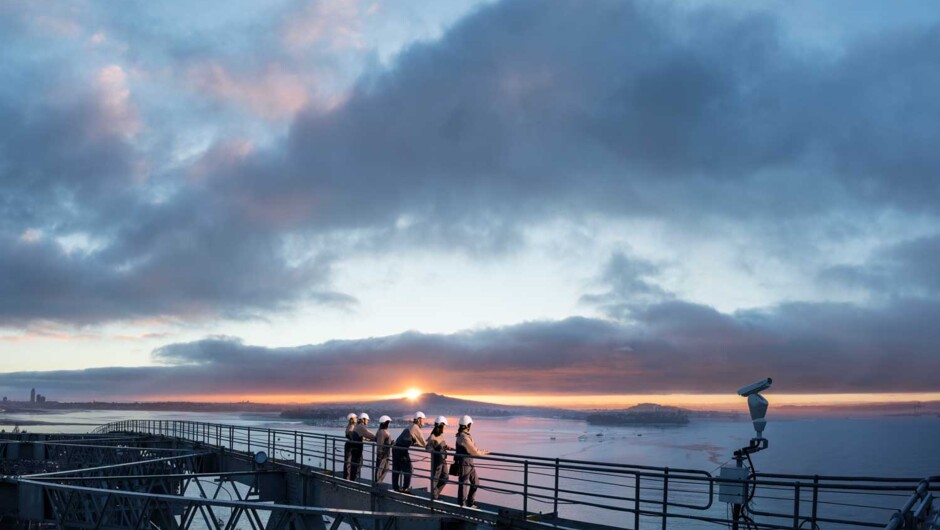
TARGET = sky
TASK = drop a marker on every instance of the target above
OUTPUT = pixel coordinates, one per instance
(562, 202)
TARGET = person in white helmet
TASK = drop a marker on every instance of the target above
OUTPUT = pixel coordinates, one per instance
(401, 458)
(463, 454)
(438, 447)
(383, 449)
(360, 434)
(351, 419)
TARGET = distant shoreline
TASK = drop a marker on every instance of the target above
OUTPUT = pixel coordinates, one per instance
(445, 405)
(4, 421)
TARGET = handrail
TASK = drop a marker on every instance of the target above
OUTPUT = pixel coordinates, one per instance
(917, 508)
(646, 491)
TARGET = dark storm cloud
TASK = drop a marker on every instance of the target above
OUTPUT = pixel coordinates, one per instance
(670, 347)
(523, 112)
(519, 114)
(629, 287)
(911, 268)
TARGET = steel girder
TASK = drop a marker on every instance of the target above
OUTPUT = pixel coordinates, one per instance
(80, 507)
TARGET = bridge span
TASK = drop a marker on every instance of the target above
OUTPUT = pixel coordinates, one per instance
(182, 475)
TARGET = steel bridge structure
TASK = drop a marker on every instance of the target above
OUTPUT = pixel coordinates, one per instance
(182, 475)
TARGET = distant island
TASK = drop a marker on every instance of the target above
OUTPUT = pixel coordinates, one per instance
(642, 414)
(430, 403)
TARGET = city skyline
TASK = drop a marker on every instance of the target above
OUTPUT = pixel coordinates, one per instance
(565, 203)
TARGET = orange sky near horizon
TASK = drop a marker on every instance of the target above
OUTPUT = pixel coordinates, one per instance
(691, 401)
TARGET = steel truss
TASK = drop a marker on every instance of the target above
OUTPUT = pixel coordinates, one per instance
(138, 482)
(81, 507)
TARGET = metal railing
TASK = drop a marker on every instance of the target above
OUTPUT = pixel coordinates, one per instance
(623, 495)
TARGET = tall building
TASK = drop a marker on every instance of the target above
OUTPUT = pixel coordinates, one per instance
(32, 396)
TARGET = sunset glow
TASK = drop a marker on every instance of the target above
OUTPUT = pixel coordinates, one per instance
(718, 402)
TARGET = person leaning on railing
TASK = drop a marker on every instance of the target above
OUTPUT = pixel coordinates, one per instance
(347, 447)
(383, 449)
(401, 458)
(463, 455)
(438, 447)
(360, 434)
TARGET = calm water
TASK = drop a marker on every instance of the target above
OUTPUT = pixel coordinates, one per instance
(902, 447)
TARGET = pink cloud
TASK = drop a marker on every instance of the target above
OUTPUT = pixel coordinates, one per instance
(220, 155)
(98, 38)
(272, 94)
(333, 25)
(31, 235)
(117, 112)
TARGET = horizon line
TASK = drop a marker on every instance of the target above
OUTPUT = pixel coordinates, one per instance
(562, 401)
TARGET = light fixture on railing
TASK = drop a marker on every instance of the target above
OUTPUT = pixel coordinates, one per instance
(757, 405)
(734, 480)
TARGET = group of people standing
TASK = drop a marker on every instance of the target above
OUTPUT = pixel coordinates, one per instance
(398, 452)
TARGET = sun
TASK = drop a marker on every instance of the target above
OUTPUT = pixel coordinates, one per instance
(412, 393)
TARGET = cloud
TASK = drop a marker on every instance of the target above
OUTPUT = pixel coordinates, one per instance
(630, 287)
(910, 268)
(274, 93)
(672, 346)
(335, 25)
(117, 112)
(517, 116)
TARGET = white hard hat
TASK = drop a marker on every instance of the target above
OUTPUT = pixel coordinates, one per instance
(384, 419)
(420, 415)
(351, 416)
(364, 416)
(441, 419)
(465, 420)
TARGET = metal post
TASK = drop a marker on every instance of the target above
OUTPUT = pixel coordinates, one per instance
(555, 502)
(525, 489)
(796, 506)
(665, 496)
(736, 507)
(636, 502)
(815, 497)
(333, 457)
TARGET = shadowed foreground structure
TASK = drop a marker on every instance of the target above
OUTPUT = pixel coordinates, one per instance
(177, 475)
